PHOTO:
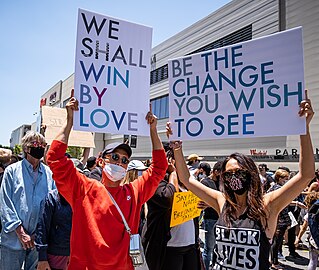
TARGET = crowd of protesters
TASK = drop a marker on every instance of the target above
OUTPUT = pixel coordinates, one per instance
(59, 212)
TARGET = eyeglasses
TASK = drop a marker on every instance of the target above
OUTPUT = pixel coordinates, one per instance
(116, 157)
(37, 144)
(240, 173)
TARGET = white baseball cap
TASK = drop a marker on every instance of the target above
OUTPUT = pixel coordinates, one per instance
(136, 165)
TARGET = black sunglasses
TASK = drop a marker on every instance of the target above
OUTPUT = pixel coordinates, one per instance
(240, 173)
(116, 157)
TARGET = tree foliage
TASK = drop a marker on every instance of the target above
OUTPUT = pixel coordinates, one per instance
(17, 149)
(74, 151)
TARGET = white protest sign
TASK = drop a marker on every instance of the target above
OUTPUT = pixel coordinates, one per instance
(112, 75)
(249, 89)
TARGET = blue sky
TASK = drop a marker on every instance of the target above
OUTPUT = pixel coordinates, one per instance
(37, 44)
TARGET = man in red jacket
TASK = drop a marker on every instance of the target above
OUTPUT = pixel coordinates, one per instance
(99, 239)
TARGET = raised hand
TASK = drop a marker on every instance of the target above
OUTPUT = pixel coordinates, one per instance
(151, 118)
(172, 144)
(169, 130)
(71, 106)
(306, 108)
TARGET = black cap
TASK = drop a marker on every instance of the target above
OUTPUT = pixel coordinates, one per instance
(110, 148)
(263, 165)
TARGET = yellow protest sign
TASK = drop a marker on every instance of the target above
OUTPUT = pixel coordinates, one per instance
(184, 207)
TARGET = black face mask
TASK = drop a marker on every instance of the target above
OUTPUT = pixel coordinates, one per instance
(238, 184)
(245, 187)
(37, 152)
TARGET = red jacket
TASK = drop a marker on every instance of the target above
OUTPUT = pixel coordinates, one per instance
(98, 238)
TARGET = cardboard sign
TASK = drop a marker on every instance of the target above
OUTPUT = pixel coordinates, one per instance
(184, 207)
(54, 118)
(112, 75)
(249, 89)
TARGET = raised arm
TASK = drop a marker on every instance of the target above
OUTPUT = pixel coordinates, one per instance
(152, 121)
(147, 184)
(70, 183)
(85, 155)
(212, 197)
(280, 198)
(64, 133)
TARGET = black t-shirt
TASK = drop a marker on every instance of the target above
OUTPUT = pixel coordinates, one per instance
(242, 246)
(209, 212)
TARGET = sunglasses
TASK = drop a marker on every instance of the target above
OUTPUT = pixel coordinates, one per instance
(116, 157)
(240, 173)
(37, 144)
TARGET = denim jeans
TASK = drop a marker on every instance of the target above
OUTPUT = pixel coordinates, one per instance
(209, 225)
(313, 259)
(13, 259)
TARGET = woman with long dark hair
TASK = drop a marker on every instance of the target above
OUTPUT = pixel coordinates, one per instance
(248, 217)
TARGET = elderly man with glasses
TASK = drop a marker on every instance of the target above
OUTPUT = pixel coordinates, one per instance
(99, 239)
(25, 184)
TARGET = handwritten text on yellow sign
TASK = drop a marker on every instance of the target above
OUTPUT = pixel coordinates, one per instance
(184, 207)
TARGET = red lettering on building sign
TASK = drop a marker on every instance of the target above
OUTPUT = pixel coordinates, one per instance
(254, 152)
(43, 102)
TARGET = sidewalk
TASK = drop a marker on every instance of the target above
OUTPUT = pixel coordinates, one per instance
(295, 264)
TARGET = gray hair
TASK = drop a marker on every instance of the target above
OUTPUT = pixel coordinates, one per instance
(30, 137)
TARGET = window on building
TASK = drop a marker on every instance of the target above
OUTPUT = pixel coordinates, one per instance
(160, 107)
(65, 102)
(240, 35)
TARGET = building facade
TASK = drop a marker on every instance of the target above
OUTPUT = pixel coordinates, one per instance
(237, 21)
(17, 135)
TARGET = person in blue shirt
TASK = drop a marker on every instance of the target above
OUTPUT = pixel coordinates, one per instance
(25, 184)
